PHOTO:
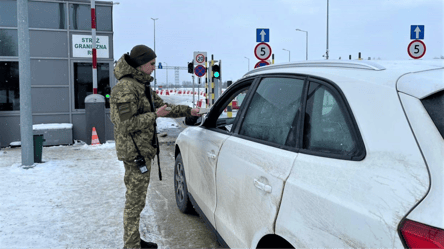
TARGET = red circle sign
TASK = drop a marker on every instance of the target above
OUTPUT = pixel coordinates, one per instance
(262, 51)
(416, 49)
(200, 58)
(261, 63)
(200, 71)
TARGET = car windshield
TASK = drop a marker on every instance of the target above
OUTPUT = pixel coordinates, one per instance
(434, 104)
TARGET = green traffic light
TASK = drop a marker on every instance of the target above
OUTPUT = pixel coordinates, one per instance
(216, 74)
(107, 96)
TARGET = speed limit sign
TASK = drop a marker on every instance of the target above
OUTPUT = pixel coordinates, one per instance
(416, 49)
(262, 51)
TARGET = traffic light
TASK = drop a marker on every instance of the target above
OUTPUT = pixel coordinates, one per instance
(190, 68)
(216, 71)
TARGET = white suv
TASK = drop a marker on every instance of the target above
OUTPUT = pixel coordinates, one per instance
(321, 154)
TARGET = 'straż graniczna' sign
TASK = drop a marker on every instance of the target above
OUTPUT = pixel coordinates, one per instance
(82, 46)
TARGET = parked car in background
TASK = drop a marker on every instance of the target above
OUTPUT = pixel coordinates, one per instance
(321, 154)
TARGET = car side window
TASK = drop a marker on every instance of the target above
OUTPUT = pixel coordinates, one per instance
(272, 110)
(226, 118)
(325, 126)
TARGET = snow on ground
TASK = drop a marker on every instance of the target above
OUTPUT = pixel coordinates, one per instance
(67, 201)
(75, 198)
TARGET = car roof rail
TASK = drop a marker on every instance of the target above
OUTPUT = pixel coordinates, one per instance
(358, 64)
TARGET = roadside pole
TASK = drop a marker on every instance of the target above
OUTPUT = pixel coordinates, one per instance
(193, 91)
(94, 103)
(26, 135)
(198, 90)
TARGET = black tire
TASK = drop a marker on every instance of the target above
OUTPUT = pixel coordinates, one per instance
(180, 187)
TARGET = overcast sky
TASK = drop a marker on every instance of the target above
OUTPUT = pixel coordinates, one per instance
(227, 29)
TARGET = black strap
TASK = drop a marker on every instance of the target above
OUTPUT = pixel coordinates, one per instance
(155, 139)
(137, 148)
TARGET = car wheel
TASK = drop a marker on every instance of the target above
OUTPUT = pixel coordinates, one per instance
(180, 187)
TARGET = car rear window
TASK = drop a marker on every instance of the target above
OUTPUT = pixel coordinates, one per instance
(434, 104)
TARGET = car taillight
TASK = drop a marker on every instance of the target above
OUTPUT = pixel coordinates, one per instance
(417, 235)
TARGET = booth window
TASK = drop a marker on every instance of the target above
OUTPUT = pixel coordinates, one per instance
(9, 86)
(47, 15)
(83, 85)
(8, 42)
(80, 17)
(8, 13)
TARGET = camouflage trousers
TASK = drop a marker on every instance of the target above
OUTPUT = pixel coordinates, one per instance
(136, 189)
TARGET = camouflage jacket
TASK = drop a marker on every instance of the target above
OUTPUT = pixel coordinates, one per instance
(131, 112)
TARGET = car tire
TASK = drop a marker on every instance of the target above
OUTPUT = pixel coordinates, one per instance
(180, 187)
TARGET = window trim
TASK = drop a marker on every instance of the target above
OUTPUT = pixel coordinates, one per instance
(348, 116)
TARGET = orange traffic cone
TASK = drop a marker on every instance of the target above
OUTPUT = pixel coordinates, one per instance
(94, 138)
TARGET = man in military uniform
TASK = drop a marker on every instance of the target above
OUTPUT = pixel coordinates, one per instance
(133, 113)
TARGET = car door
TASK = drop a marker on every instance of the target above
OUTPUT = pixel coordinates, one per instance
(200, 147)
(255, 162)
(342, 193)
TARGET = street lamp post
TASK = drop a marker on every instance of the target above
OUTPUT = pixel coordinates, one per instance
(167, 84)
(155, 79)
(248, 62)
(326, 53)
(288, 53)
(306, 43)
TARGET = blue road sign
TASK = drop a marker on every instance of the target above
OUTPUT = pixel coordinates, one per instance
(160, 65)
(200, 71)
(417, 32)
(262, 35)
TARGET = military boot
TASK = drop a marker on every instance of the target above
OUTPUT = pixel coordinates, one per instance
(144, 244)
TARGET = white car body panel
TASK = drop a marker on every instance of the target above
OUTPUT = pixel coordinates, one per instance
(432, 145)
(325, 202)
(422, 84)
(242, 220)
(200, 165)
(338, 203)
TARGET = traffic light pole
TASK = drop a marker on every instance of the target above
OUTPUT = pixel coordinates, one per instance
(193, 90)
(219, 89)
(198, 91)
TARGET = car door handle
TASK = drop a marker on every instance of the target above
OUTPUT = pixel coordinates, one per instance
(211, 155)
(261, 186)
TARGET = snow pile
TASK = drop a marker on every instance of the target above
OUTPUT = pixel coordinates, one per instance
(52, 126)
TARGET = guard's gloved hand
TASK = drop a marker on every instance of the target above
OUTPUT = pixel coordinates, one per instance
(163, 111)
(195, 112)
(192, 120)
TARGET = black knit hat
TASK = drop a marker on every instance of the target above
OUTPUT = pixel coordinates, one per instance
(141, 54)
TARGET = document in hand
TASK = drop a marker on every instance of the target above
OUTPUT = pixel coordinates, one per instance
(204, 110)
